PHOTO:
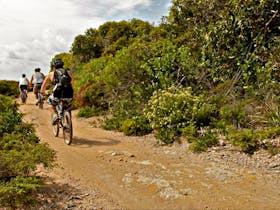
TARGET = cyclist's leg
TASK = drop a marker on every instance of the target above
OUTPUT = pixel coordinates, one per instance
(39, 89)
(40, 97)
(20, 91)
(35, 90)
(21, 88)
(23, 93)
(52, 106)
(24, 89)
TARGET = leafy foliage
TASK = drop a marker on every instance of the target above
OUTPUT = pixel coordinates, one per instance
(225, 52)
(19, 191)
(107, 39)
(9, 88)
(204, 140)
(89, 111)
(136, 126)
(249, 140)
(20, 153)
(169, 111)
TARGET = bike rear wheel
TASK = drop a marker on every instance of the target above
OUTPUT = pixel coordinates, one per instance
(40, 101)
(23, 96)
(55, 127)
(67, 129)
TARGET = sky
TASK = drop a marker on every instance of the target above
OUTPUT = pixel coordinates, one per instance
(32, 32)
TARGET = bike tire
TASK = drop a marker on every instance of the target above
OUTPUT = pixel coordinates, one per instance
(55, 127)
(41, 105)
(23, 97)
(67, 129)
(40, 102)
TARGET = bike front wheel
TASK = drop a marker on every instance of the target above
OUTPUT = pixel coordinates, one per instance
(55, 126)
(67, 128)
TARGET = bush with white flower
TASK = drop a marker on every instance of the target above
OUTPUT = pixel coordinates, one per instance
(171, 110)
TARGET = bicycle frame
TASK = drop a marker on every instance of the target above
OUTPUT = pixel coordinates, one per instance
(40, 99)
(62, 106)
(63, 109)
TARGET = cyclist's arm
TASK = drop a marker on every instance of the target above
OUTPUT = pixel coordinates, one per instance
(31, 80)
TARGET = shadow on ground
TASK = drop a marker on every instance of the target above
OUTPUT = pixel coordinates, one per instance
(83, 142)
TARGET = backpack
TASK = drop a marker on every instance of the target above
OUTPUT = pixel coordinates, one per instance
(62, 78)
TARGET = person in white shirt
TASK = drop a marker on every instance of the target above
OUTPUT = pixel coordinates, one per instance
(36, 80)
(23, 84)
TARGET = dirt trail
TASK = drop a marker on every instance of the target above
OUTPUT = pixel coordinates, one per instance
(134, 173)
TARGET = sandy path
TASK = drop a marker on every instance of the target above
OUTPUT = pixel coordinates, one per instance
(133, 173)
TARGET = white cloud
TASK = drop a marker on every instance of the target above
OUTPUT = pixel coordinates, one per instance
(108, 8)
(33, 31)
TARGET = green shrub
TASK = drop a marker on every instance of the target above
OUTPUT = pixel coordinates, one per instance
(9, 88)
(204, 140)
(246, 139)
(274, 118)
(190, 132)
(6, 103)
(136, 126)
(250, 140)
(8, 121)
(167, 135)
(19, 191)
(111, 123)
(89, 111)
(235, 114)
(20, 154)
(170, 110)
(272, 149)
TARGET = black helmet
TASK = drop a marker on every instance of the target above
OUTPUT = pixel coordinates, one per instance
(23, 75)
(58, 63)
(37, 70)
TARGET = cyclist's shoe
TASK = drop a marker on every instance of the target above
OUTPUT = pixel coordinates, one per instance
(54, 119)
(37, 102)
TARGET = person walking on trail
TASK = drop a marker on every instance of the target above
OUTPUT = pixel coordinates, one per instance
(63, 82)
(23, 84)
(37, 79)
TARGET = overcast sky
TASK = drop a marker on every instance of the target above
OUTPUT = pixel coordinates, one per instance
(33, 31)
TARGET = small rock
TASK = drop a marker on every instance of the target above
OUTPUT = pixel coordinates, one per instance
(70, 206)
(274, 165)
(117, 153)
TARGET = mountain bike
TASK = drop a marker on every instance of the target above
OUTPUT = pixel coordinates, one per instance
(64, 120)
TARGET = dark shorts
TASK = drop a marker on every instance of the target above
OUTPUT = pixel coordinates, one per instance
(63, 92)
(23, 87)
(37, 88)
(54, 101)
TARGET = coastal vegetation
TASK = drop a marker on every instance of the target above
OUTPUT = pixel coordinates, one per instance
(208, 69)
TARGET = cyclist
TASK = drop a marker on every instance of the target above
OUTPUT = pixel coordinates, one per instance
(37, 79)
(61, 89)
(23, 84)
